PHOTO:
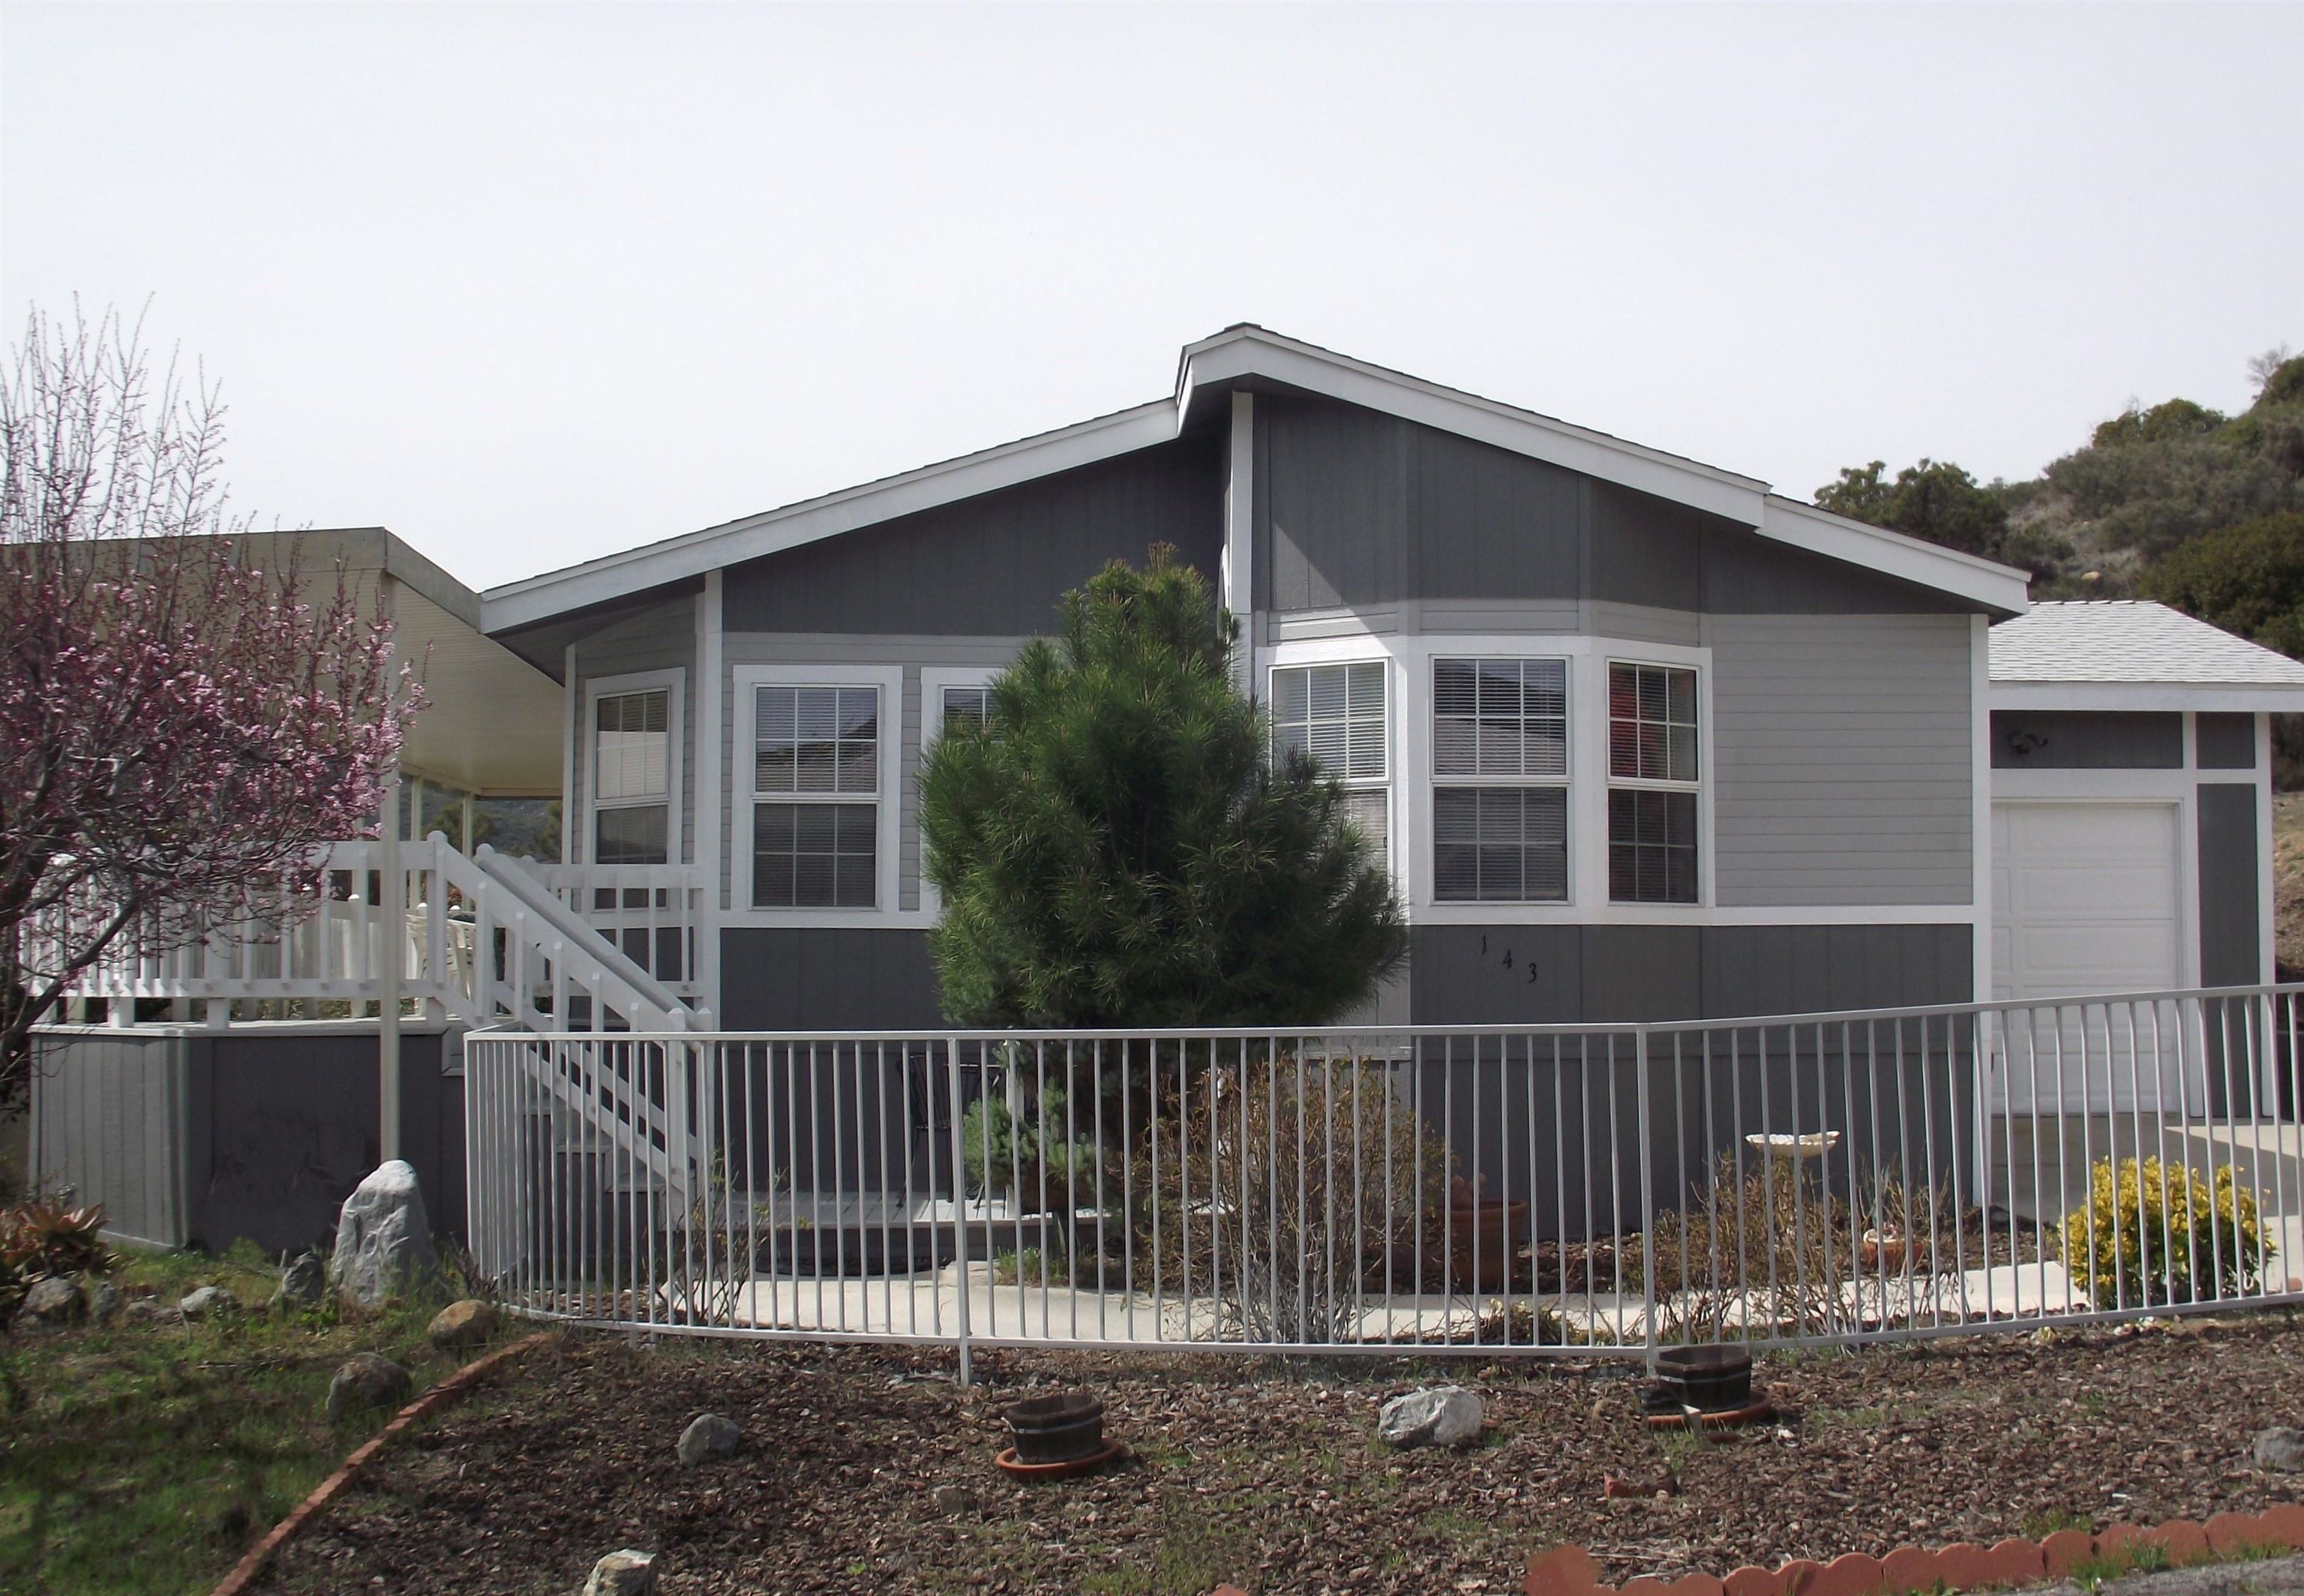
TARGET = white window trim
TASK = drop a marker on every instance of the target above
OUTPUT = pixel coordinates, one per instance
(1701, 786)
(676, 758)
(933, 680)
(1411, 655)
(1385, 783)
(888, 804)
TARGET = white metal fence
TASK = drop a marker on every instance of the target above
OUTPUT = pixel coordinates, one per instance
(1825, 1177)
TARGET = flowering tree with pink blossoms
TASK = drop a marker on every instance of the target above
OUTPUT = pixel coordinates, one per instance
(180, 725)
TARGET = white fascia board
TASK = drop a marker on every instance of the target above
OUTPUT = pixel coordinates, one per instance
(1894, 554)
(616, 576)
(2240, 697)
(1254, 353)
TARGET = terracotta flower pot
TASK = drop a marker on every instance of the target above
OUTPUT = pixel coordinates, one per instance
(1886, 1253)
(1484, 1242)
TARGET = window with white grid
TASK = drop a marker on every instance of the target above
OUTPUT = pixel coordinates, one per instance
(816, 786)
(1653, 783)
(631, 778)
(1335, 715)
(1500, 780)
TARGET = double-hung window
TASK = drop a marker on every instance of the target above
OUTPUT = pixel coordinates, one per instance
(816, 789)
(1500, 780)
(1653, 783)
(1335, 714)
(631, 776)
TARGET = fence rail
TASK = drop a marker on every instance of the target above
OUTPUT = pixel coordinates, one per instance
(484, 939)
(1544, 1190)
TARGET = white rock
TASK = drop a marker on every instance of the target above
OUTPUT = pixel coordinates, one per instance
(1434, 1416)
(206, 1300)
(383, 1241)
(625, 1573)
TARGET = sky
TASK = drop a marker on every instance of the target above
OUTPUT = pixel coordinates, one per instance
(536, 284)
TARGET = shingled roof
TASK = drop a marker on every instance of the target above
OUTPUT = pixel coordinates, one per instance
(2130, 639)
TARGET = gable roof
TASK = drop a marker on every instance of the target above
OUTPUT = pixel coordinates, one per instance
(1246, 355)
(2132, 653)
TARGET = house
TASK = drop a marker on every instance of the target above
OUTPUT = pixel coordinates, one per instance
(1641, 739)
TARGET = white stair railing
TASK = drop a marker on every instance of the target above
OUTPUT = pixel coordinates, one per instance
(550, 965)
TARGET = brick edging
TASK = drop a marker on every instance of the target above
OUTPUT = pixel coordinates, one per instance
(449, 1390)
(1570, 1571)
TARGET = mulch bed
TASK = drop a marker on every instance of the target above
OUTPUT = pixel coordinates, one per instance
(1267, 1475)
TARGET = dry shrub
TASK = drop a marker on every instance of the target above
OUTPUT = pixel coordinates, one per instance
(1288, 1192)
(1767, 1249)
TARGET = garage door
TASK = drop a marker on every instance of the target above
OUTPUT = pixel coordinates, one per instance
(2085, 898)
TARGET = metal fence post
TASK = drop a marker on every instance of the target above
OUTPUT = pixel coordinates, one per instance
(959, 1200)
(1648, 1260)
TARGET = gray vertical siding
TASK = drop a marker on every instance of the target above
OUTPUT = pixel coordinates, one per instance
(1842, 759)
(1363, 512)
(1458, 974)
(2226, 741)
(778, 978)
(202, 1138)
(2087, 740)
(661, 637)
(993, 565)
(110, 1123)
(2232, 950)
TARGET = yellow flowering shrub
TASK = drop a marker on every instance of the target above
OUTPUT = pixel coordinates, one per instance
(2152, 1232)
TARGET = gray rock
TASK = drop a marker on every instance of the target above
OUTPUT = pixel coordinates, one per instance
(710, 1436)
(51, 1304)
(2281, 1448)
(152, 1310)
(460, 1325)
(383, 1241)
(1434, 1416)
(206, 1301)
(365, 1379)
(104, 1301)
(952, 1498)
(625, 1573)
(302, 1283)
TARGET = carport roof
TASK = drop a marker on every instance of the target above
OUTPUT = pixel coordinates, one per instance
(2133, 654)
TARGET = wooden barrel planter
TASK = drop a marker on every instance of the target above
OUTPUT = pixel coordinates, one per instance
(1059, 1428)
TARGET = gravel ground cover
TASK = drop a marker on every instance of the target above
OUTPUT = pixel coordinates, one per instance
(1267, 1474)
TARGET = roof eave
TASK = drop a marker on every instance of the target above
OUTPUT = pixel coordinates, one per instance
(2212, 697)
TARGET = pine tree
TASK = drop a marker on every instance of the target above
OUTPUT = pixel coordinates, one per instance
(1114, 848)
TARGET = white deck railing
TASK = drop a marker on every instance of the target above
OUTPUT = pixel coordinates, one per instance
(484, 940)
(1544, 1190)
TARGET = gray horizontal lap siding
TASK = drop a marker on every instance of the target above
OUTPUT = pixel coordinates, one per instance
(661, 637)
(1843, 760)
